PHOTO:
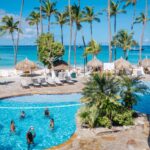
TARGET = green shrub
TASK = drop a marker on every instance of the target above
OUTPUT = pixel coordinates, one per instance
(104, 122)
(124, 118)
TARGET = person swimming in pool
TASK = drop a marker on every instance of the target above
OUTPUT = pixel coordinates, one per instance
(22, 115)
(52, 124)
(46, 112)
(12, 126)
(30, 136)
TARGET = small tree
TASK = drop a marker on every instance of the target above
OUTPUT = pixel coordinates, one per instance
(49, 50)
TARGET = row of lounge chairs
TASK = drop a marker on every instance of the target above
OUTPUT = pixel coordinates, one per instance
(38, 82)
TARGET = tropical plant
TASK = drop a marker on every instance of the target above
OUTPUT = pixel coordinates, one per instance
(41, 18)
(11, 27)
(142, 19)
(92, 48)
(34, 19)
(61, 19)
(48, 9)
(90, 16)
(114, 11)
(125, 41)
(49, 50)
(133, 3)
(130, 87)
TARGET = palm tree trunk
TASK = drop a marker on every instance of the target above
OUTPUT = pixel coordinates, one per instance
(109, 32)
(18, 33)
(62, 37)
(75, 37)
(70, 43)
(79, 3)
(133, 18)
(143, 29)
(14, 46)
(37, 29)
(125, 54)
(41, 22)
(91, 28)
(49, 24)
(115, 26)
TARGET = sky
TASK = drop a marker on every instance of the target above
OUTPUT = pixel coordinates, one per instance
(100, 30)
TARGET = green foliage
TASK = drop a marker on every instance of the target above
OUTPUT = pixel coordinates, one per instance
(104, 122)
(49, 50)
(124, 118)
(93, 48)
(101, 96)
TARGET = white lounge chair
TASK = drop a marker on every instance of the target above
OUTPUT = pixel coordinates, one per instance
(43, 82)
(24, 84)
(57, 81)
(50, 81)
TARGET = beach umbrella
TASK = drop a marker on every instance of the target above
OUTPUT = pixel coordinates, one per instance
(122, 64)
(26, 66)
(60, 65)
(145, 63)
(95, 63)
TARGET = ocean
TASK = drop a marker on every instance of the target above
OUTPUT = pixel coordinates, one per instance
(30, 52)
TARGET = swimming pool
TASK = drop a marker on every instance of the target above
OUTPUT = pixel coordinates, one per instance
(62, 108)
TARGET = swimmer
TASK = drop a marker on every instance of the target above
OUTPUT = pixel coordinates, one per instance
(46, 112)
(22, 115)
(52, 123)
(12, 126)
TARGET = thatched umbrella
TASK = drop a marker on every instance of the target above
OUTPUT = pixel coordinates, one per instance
(95, 63)
(26, 66)
(60, 65)
(122, 64)
(145, 63)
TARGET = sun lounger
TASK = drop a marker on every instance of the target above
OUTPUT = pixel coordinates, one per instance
(36, 83)
(24, 84)
(50, 81)
(57, 81)
(43, 82)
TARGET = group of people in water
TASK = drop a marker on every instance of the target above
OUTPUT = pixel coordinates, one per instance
(31, 132)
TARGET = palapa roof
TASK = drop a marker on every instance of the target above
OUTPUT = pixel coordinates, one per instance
(121, 64)
(95, 63)
(60, 65)
(145, 63)
(26, 65)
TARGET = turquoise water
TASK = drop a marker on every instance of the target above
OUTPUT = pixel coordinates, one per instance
(7, 57)
(62, 108)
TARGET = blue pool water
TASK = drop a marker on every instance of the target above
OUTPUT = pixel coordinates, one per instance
(7, 55)
(62, 108)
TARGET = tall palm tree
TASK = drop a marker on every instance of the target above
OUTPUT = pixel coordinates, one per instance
(77, 18)
(11, 27)
(133, 3)
(125, 41)
(48, 9)
(61, 19)
(143, 18)
(114, 11)
(18, 34)
(34, 19)
(90, 17)
(109, 32)
(41, 20)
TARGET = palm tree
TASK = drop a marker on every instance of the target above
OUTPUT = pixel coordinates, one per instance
(77, 18)
(92, 48)
(143, 18)
(41, 22)
(61, 19)
(114, 11)
(11, 27)
(34, 19)
(109, 32)
(90, 17)
(125, 41)
(48, 10)
(131, 86)
(133, 3)
(18, 34)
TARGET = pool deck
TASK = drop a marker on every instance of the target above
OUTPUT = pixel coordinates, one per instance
(134, 138)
